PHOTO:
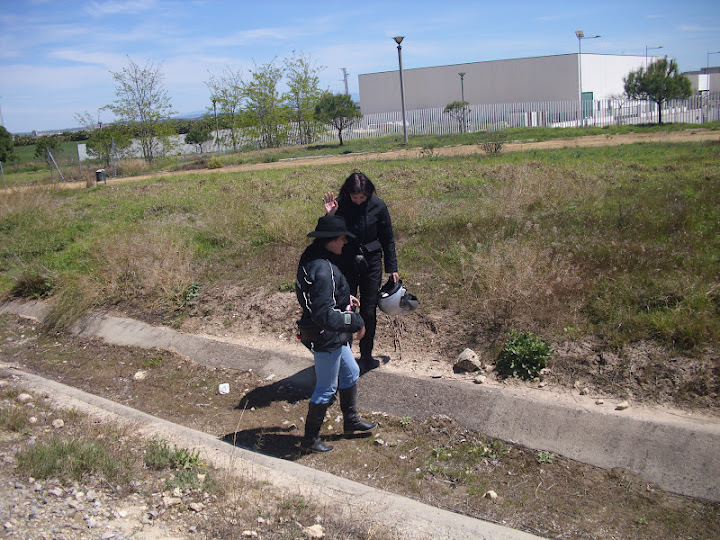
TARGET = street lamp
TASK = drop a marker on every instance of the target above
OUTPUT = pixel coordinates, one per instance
(708, 57)
(580, 35)
(646, 53)
(217, 131)
(398, 40)
(462, 97)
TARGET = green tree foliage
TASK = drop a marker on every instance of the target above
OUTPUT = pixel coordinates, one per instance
(105, 142)
(302, 96)
(45, 143)
(458, 110)
(337, 110)
(198, 135)
(661, 82)
(266, 114)
(143, 105)
(6, 144)
(226, 93)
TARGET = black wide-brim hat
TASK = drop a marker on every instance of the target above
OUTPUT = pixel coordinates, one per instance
(330, 226)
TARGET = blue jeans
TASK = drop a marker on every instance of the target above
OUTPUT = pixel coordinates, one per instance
(334, 369)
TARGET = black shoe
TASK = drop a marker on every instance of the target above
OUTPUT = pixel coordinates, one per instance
(315, 445)
(368, 363)
(311, 441)
(351, 419)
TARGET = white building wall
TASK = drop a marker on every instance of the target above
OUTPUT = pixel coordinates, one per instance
(603, 74)
(543, 78)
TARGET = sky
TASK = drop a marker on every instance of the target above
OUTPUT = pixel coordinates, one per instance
(57, 57)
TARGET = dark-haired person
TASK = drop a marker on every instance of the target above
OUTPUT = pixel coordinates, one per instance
(367, 217)
(326, 327)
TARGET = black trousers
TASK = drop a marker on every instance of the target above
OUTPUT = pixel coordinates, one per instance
(368, 284)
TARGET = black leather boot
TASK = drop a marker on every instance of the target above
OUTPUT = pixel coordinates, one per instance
(315, 416)
(368, 363)
(351, 420)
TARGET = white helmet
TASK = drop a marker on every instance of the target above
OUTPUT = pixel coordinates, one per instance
(395, 300)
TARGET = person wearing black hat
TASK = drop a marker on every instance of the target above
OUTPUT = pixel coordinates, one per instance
(326, 327)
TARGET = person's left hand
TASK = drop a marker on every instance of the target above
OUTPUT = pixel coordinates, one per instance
(395, 277)
(354, 302)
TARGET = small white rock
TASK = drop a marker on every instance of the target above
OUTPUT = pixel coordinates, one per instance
(24, 397)
(599, 402)
(480, 379)
(490, 495)
(314, 531)
(140, 375)
(622, 406)
(58, 424)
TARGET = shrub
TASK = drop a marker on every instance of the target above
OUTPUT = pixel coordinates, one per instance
(215, 163)
(523, 355)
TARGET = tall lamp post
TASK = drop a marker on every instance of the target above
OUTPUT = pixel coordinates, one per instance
(217, 131)
(646, 53)
(580, 35)
(398, 40)
(462, 97)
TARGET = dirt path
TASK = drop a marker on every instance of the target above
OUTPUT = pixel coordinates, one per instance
(696, 135)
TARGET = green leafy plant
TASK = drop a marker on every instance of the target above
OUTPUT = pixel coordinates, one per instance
(405, 421)
(158, 455)
(215, 163)
(545, 457)
(523, 355)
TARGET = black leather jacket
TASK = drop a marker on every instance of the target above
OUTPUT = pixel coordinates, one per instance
(327, 321)
(371, 224)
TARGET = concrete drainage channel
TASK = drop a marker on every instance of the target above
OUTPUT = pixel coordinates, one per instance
(674, 450)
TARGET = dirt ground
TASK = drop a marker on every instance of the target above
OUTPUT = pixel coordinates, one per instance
(434, 459)
(431, 459)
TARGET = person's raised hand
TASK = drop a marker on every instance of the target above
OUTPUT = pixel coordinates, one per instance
(330, 203)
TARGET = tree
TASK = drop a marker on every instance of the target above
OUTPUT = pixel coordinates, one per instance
(226, 93)
(303, 94)
(104, 142)
(660, 83)
(266, 115)
(198, 135)
(143, 105)
(458, 110)
(45, 144)
(338, 110)
(6, 144)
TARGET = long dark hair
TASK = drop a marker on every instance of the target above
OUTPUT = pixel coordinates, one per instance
(357, 182)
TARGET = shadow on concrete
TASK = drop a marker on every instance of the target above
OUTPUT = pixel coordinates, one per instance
(297, 387)
(280, 442)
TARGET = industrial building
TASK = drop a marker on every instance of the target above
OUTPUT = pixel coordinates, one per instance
(536, 79)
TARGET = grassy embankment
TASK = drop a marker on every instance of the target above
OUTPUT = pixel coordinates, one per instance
(30, 170)
(616, 241)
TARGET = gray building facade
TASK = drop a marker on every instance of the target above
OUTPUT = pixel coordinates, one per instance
(536, 79)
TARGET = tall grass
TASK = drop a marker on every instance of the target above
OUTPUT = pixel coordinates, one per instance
(620, 241)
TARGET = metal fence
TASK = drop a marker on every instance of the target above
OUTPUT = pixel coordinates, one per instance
(697, 109)
(601, 112)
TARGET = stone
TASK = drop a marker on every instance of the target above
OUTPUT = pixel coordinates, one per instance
(58, 424)
(197, 506)
(584, 391)
(24, 398)
(490, 495)
(480, 379)
(467, 361)
(622, 406)
(140, 376)
(314, 531)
